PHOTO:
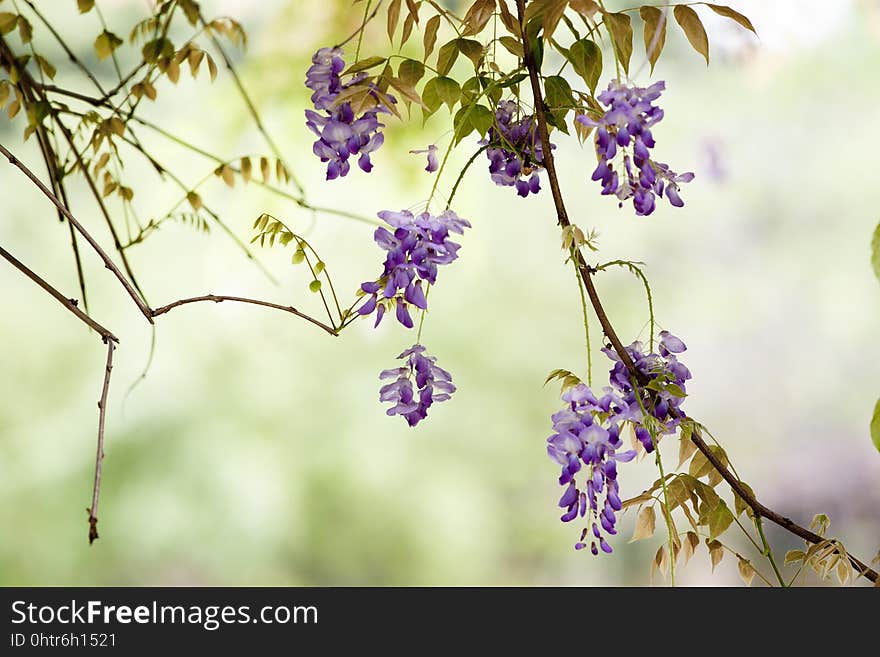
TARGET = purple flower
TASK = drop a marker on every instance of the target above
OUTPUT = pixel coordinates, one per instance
(433, 164)
(586, 439)
(627, 123)
(340, 133)
(432, 383)
(514, 150)
(416, 245)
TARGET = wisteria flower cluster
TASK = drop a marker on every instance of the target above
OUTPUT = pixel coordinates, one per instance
(340, 133)
(627, 123)
(587, 434)
(433, 383)
(416, 246)
(514, 150)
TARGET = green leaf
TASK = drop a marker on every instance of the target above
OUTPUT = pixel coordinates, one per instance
(106, 43)
(875, 251)
(446, 57)
(364, 64)
(548, 12)
(727, 12)
(85, 6)
(315, 285)
(471, 49)
(461, 124)
(875, 426)
(430, 37)
(8, 21)
(693, 29)
(620, 28)
(513, 45)
(558, 92)
(447, 90)
(586, 58)
(719, 520)
(411, 71)
(470, 118)
(482, 119)
(157, 48)
(655, 27)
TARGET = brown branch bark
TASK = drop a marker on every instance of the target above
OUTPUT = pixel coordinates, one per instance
(268, 304)
(586, 273)
(99, 457)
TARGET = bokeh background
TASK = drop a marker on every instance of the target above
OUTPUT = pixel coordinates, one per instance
(256, 452)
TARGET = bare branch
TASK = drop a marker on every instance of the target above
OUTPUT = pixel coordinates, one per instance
(99, 457)
(220, 298)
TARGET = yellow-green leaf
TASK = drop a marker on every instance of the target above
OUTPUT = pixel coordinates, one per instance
(477, 16)
(620, 28)
(875, 426)
(655, 32)
(746, 571)
(727, 12)
(693, 29)
(8, 22)
(716, 552)
(106, 44)
(393, 17)
(364, 64)
(194, 200)
(85, 6)
(430, 37)
(719, 520)
(645, 524)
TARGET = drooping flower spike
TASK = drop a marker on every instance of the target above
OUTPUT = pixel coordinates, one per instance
(586, 439)
(432, 383)
(416, 246)
(625, 129)
(341, 134)
(514, 150)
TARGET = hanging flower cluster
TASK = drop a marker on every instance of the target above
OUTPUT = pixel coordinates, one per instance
(627, 124)
(416, 246)
(432, 382)
(514, 150)
(340, 133)
(586, 434)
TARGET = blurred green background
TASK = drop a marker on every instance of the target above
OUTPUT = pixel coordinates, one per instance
(256, 451)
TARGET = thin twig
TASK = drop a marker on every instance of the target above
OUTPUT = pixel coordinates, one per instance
(220, 298)
(99, 456)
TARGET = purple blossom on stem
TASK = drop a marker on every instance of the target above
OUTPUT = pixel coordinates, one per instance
(627, 124)
(586, 439)
(433, 164)
(514, 150)
(340, 133)
(432, 383)
(416, 245)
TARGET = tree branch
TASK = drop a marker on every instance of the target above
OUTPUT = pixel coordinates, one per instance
(99, 456)
(220, 298)
(586, 274)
